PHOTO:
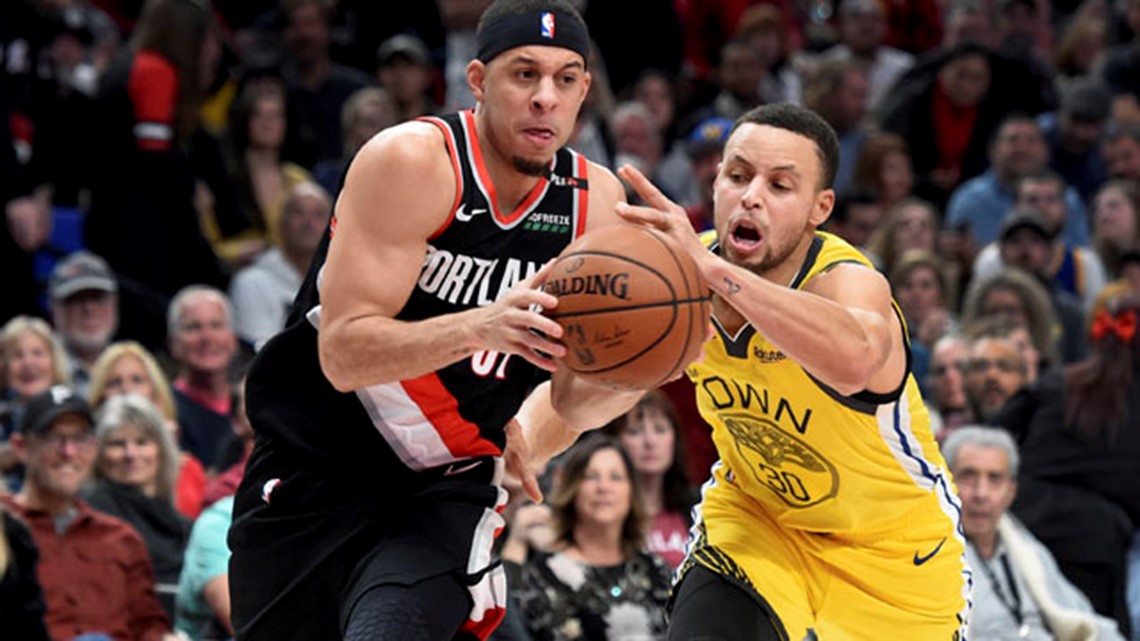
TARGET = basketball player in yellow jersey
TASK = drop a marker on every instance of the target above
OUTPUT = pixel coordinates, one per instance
(830, 514)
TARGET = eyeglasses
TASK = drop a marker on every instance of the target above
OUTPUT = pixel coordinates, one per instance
(942, 369)
(982, 365)
(57, 440)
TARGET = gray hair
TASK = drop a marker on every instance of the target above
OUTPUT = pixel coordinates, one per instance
(136, 410)
(191, 294)
(981, 436)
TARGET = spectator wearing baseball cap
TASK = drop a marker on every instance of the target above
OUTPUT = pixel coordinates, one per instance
(1074, 133)
(85, 310)
(95, 571)
(1027, 243)
(404, 69)
(704, 147)
(1071, 268)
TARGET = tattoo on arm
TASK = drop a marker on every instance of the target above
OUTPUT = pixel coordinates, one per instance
(731, 285)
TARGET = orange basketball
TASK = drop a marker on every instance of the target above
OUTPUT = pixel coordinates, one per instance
(632, 305)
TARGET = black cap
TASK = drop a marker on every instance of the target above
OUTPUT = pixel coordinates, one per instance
(1024, 219)
(45, 408)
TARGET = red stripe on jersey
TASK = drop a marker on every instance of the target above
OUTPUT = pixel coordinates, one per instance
(332, 226)
(462, 437)
(583, 195)
(153, 89)
(482, 629)
(485, 177)
(452, 153)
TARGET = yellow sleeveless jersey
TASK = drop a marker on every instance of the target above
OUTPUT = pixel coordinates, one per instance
(803, 454)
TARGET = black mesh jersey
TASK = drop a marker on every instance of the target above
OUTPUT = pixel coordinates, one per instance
(457, 412)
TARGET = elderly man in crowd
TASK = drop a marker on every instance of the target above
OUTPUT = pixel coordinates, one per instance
(203, 344)
(1019, 592)
(85, 310)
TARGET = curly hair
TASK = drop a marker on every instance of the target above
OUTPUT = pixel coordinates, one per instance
(1041, 319)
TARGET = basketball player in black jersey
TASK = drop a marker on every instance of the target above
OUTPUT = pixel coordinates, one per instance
(414, 363)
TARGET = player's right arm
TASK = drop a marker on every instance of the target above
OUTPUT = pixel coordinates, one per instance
(399, 190)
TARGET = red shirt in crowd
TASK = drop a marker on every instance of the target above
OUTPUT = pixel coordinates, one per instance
(96, 576)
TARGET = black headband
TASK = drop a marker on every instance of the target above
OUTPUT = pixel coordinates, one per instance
(546, 28)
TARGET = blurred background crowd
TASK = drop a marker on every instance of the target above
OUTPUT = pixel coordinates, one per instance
(168, 167)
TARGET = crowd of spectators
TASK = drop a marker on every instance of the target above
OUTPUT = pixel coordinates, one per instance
(168, 169)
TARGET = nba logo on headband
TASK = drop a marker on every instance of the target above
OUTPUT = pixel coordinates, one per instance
(547, 24)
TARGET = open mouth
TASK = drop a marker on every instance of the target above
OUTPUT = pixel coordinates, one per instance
(744, 236)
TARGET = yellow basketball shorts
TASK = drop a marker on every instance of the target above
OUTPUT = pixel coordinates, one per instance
(908, 582)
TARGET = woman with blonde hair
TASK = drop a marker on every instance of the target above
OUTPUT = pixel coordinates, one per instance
(31, 360)
(135, 471)
(128, 368)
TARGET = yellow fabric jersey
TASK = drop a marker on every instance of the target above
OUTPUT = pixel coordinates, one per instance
(806, 456)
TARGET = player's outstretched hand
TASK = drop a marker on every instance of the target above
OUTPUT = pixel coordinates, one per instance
(514, 324)
(516, 459)
(659, 212)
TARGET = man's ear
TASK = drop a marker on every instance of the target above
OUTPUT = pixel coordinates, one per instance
(821, 211)
(476, 77)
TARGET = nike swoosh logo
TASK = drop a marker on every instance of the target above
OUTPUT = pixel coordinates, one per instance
(919, 560)
(452, 470)
(462, 216)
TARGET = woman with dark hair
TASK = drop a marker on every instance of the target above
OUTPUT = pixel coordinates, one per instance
(143, 179)
(256, 139)
(649, 434)
(599, 584)
(1079, 436)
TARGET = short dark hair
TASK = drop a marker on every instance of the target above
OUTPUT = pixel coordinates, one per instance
(806, 123)
(1039, 176)
(1011, 119)
(503, 8)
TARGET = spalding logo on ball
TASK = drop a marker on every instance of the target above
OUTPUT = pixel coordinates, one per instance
(632, 306)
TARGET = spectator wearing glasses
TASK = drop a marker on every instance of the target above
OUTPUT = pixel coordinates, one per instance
(995, 367)
(95, 571)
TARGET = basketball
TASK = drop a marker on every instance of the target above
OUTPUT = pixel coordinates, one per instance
(632, 306)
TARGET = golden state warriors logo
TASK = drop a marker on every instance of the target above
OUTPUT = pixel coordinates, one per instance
(781, 462)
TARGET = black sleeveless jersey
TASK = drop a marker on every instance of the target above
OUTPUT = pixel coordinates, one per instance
(454, 413)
